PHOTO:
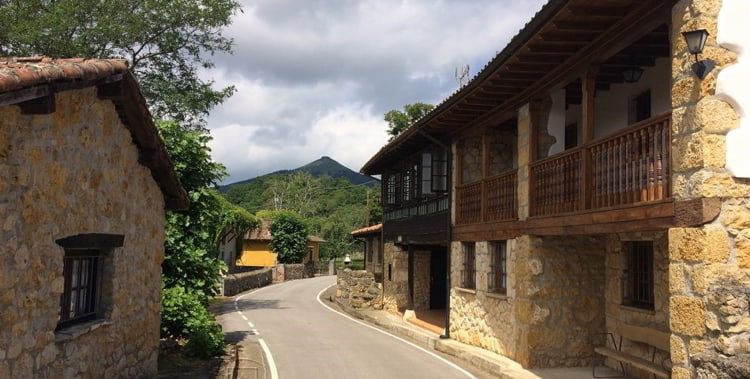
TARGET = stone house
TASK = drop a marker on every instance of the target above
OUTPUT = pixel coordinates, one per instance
(84, 182)
(373, 245)
(597, 188)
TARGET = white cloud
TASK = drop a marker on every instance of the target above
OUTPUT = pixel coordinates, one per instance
(314, 77)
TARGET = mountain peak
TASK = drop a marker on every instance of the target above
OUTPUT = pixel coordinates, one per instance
(325, 165)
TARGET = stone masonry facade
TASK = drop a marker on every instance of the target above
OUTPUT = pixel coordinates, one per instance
(395, 278)
(359, 289)
(709, 266)
(70, 172)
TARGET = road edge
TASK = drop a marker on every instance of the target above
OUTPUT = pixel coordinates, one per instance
(345, 315)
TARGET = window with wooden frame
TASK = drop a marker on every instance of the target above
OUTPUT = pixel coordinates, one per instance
(638, 278)
(426, 175)
(406, 183)
(639, 108)
(440, 171)
(468, 274)
(369, 251)
(79, 301)
(391, 192)
(498, 275)
(571, 136)
(84, 261)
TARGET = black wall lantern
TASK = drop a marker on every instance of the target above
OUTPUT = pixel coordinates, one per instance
(696, 41)
(632, 74)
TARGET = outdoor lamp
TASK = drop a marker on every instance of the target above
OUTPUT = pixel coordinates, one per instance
(632, 74)
(696, 41)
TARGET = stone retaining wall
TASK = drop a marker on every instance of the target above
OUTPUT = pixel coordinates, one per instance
(241, 282)
(359, 289)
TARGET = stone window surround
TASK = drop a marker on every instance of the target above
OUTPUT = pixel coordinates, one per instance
(464, 251)
(481, 286)
(107, 244)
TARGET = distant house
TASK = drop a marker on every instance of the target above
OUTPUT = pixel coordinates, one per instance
(229, 245)
(372, 237)
(84, 182)
(257, 253)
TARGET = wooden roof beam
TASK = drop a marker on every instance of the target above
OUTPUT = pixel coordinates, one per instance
(581, 26)
(576, 38)
(602, 11)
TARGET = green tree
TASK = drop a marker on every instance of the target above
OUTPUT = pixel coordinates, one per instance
(398, 121)
(288, 237)
(166, 42)
(189, 259)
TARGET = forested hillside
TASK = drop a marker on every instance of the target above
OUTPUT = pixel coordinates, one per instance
(332, 208)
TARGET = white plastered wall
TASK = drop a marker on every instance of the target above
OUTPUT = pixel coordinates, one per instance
(611, 106)
(733, 82)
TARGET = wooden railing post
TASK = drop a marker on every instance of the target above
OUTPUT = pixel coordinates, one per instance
(588, 84)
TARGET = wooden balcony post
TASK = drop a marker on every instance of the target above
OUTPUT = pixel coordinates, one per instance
(485, 174)
(588, 86)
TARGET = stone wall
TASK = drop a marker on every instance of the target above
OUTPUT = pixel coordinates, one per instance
(478, 317)
(502, 152)
(471, 159)
(422, 279)
(240, 282)
(395, 288)
(616, 313)
(76, 171)
(289, 271)
(710, 265)
(359, 289)
(559, 299)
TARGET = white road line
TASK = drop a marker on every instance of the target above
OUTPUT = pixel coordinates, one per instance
(250, 324)
(271, 363)
(449, 363)
(239, 313)
(243, 317)
(256, 332)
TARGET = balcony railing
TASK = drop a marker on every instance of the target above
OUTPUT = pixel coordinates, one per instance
(422, 208)
(627, 168)
(491, 199)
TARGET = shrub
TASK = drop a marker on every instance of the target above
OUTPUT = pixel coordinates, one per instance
(184, 316)
(288, 237)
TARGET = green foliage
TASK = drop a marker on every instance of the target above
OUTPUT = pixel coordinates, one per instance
(191, 235)
(288, 237)
(183, 315)
(165, 41)
(398, 121)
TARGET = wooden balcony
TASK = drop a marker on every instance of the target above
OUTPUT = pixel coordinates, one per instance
(616, 184)
(422, 222)
(491, 199)
(628, 168)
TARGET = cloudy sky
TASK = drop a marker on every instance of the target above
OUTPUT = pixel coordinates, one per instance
(314, 77)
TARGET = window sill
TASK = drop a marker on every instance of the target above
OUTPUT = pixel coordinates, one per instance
(636, 309)
(499, 296)
(465, 290)
(74, 331)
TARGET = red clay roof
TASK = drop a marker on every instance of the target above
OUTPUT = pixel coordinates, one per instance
(368, 230)
(18, 72)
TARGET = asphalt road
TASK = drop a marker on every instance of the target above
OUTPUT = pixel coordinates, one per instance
(308, 340)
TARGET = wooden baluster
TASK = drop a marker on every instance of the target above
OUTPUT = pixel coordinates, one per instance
(628, 158)
(665, 142)
(607, 174)
(643, 180)
(595, 176)
(659, 191)
(559, 179)
(621, 170)
(568, 173)
(651, 164)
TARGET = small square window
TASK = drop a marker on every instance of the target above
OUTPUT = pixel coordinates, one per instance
(638, 278)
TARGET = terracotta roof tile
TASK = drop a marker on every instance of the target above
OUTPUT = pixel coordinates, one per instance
(22, 72)
(367, 230)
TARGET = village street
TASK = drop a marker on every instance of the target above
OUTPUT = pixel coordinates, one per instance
(308, 340)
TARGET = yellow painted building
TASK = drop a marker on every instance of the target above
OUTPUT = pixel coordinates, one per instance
(257, 253)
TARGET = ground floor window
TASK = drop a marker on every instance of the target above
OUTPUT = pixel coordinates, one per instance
(468, 274)
(498, 277)
(80, 298)
(638, 278)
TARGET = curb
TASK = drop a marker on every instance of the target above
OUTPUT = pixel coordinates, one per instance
(488, 362)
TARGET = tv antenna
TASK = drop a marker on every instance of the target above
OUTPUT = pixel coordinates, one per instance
(462, 75)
